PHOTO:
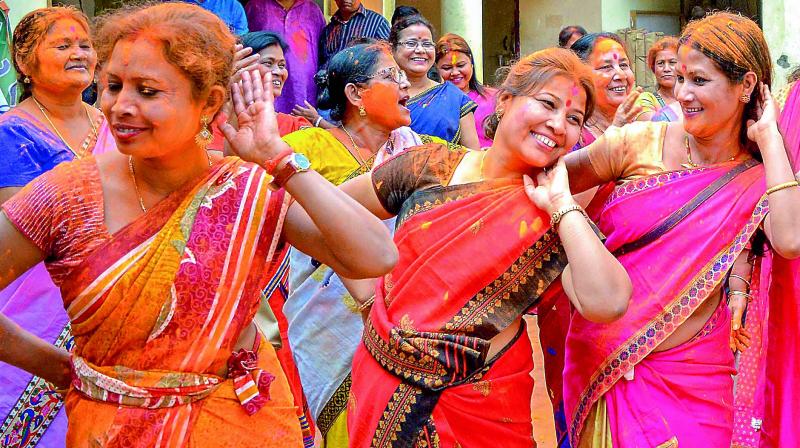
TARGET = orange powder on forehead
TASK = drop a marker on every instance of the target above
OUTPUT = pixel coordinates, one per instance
(609, 45)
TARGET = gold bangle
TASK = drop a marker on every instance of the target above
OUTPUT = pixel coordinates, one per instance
(555, 218)
(783, 186)
(746, 296)
(364, 307)
(739, 277)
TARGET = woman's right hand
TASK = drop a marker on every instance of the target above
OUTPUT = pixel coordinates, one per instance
(257, 138)
(551, 191)
(628, 110)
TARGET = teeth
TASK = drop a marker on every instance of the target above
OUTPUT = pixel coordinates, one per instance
(618, 89)
(545, 140)
(693, 109)
(276, 83)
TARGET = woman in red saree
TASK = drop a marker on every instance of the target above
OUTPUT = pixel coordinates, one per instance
(444, 360)
(161, 288)
(688, 199)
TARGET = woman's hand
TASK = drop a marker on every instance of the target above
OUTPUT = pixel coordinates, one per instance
(257, 139)
(244, 61)
(767, 111)
(308, 112)
(551, 191)
(740, 337)
(628, 110)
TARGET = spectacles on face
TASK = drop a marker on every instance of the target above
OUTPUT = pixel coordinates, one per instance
(412, 44)
(391, 73)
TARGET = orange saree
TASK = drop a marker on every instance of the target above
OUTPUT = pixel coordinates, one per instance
(157, 308)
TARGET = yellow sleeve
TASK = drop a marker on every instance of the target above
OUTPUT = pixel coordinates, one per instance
(327, 155)
(632, 151)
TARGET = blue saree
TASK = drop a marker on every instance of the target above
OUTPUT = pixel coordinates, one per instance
(438, 111)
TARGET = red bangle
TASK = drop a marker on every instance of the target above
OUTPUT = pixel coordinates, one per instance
(272, 163)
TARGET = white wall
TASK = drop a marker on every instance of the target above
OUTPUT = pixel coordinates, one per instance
(782, 37)
(617, 13)
(541, 20)
(18, 8)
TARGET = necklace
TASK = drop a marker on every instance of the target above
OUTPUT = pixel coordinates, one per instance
(355, 147)
(690, 163)
(136, 185)
(85, 146)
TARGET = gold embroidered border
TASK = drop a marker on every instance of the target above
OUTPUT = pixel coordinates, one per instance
(335, 406)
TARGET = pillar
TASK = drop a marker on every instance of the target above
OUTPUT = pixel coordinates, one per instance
(782, 38)
(465, 18)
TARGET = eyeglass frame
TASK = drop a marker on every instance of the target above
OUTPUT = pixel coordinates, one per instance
(397, 78)
(418, 43)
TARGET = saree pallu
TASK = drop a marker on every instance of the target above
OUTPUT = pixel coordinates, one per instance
(30, 410)
(156, 310)
(421, 378)
(438, 111)
(702, 237)
(486, 105)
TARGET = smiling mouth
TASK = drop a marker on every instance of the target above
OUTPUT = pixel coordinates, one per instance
(621, 89)
(423, 60)
(544, 140)
(277, 82)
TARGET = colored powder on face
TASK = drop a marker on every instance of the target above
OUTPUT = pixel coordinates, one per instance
(574, 90)
(569, 103)
(454, 59)
(72, 29)
(381, 103)
(615, 56)
(683, 67)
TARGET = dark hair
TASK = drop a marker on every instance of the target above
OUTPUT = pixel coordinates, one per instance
(584, 46)
(567, 32)
(30, 32)
(353, 65)
(795, 75)
(402, 12)
(736, 45)
(453, 42)
(534, 71)
(259, 40)
(406, 22)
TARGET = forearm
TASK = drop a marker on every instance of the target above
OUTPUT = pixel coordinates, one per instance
(600, 284)
(32, 354)
(355, 238)
(784, 205)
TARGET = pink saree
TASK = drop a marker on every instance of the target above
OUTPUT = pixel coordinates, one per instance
(676, 254)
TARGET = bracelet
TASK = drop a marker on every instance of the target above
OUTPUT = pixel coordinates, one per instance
(272, 163)
(555, 218)
(747, 296)
(364, 307)
(782, 186)
(736, 276)
(317, 121)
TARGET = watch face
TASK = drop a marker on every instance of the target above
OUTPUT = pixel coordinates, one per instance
(301, 161)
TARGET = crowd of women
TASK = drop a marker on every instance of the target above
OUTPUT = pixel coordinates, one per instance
(186, 267)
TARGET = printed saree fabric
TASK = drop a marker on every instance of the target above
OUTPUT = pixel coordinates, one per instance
(29, 408)
(157, 307)
(421, 377)
(438, 111)
(677, 255)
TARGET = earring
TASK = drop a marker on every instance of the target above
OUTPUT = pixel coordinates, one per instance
(27, 80)
(204, 137)
(745, 98)
(362, 111)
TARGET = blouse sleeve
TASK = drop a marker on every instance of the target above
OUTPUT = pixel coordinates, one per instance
(467, 105)
(632, 150)
(23, 158)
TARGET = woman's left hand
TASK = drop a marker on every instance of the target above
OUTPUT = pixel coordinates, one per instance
(740, 337)
(628, 110)
(767, 112)
(551, 191)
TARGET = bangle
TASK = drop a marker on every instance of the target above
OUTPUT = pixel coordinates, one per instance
(317, 121)
(736, 276)
(272, 163)
(782, 186)
(555, 218)
(364, 307)
(747, 296)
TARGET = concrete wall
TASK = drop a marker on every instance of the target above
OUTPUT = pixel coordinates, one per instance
(541, 20)
(430, 9)
(780, 30)
(616, 14)
(19, 8)
(498, 35)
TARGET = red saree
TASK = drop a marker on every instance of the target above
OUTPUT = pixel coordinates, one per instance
(157, 308)
(473, 259)
(676, 255)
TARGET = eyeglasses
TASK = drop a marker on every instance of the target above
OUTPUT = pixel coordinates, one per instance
(392, 73)
(412, 44)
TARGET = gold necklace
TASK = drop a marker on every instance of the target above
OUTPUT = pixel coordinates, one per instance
(355, 147)
(690, 163)
(85, 143)
(136, 185)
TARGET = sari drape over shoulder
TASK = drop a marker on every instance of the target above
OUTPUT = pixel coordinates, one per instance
(157, 308)
(29, 407)
(421, 378)
(677, 254)
(438, 111)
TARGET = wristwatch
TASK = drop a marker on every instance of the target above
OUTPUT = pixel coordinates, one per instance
(295, 163)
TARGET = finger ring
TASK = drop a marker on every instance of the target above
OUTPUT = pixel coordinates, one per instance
(250, 103)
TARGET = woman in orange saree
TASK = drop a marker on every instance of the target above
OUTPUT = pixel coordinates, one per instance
(161, 288)
(444, 361)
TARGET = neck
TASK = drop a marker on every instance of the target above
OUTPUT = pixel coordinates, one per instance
(418, 82)
(602, 119)
(718, 147)
(286, 4)
(365, 134)
(163, 175)
(498, 164)
(60, 106)
(345, 16)
(667, 94)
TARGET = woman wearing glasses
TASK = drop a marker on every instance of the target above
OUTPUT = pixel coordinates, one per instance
(441, 110)
(366, 91)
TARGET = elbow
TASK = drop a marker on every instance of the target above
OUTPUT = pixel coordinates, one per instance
(613, 307)
(788, 249)
(377, 265)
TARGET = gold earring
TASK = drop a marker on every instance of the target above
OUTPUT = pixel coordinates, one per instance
(27, 80)
(204, 137)
(362, 111)
(745, 98)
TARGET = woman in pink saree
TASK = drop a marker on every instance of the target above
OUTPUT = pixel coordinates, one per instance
(688, 199)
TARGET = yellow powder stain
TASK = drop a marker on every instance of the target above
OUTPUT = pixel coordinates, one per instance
(425, 225)
(537, 225)
(523, 228)
(446, 296)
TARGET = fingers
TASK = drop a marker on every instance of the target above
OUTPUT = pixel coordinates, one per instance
(229, 132)
(247, 88)
(258, 86)
(237, 97)
(266, 92)
(737, 309)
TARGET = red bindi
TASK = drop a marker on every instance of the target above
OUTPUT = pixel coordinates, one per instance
(569, 103)
(616, 56)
